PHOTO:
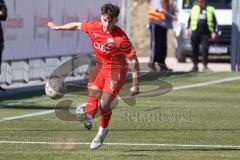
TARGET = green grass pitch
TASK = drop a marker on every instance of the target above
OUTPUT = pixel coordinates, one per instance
(155, 128)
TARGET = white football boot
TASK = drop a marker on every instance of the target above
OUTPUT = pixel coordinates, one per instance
(98, 141)
(83, 118)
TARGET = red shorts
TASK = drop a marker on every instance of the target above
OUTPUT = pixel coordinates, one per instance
(108, 80)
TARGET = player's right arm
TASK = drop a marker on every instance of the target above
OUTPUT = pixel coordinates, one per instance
(135, 75)
(69, 26)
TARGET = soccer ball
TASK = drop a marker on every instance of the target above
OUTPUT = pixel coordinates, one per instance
(55, 88)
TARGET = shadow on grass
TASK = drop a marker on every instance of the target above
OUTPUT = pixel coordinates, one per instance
(30, 107)
(22, 96)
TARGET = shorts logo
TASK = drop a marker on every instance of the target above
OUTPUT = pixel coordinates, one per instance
(110, 40)
(113, 84)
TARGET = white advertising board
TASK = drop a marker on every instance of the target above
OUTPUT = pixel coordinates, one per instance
(28, 37)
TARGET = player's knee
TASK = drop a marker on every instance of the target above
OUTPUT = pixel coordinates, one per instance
(95, 91)
(114, 103)
(105, 104)
(106, 100)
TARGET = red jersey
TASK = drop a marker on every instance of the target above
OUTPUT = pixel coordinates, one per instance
(111, 49)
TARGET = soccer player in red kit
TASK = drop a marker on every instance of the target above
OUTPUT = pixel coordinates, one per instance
(111, 47)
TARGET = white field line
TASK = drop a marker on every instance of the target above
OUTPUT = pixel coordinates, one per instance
(128, 144)
(26, 115)
(208, 83)
(174, 89)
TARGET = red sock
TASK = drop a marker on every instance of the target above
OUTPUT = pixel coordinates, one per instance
(105, 117)
(92, 106)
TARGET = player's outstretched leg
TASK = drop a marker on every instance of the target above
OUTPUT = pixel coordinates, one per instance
(85, 119)
(87, 111)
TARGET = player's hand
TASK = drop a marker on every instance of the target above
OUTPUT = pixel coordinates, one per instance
(53, 26)
(135, 90)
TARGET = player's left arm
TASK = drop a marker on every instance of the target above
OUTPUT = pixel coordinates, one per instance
(135, 75)
(69, 26)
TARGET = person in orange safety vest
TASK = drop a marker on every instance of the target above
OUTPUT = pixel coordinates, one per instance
(160, 13)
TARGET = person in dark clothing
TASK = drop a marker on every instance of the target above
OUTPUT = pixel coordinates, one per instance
(3, 17)
(203, 24)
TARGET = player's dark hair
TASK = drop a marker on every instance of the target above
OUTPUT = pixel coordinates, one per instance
(111, 10)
